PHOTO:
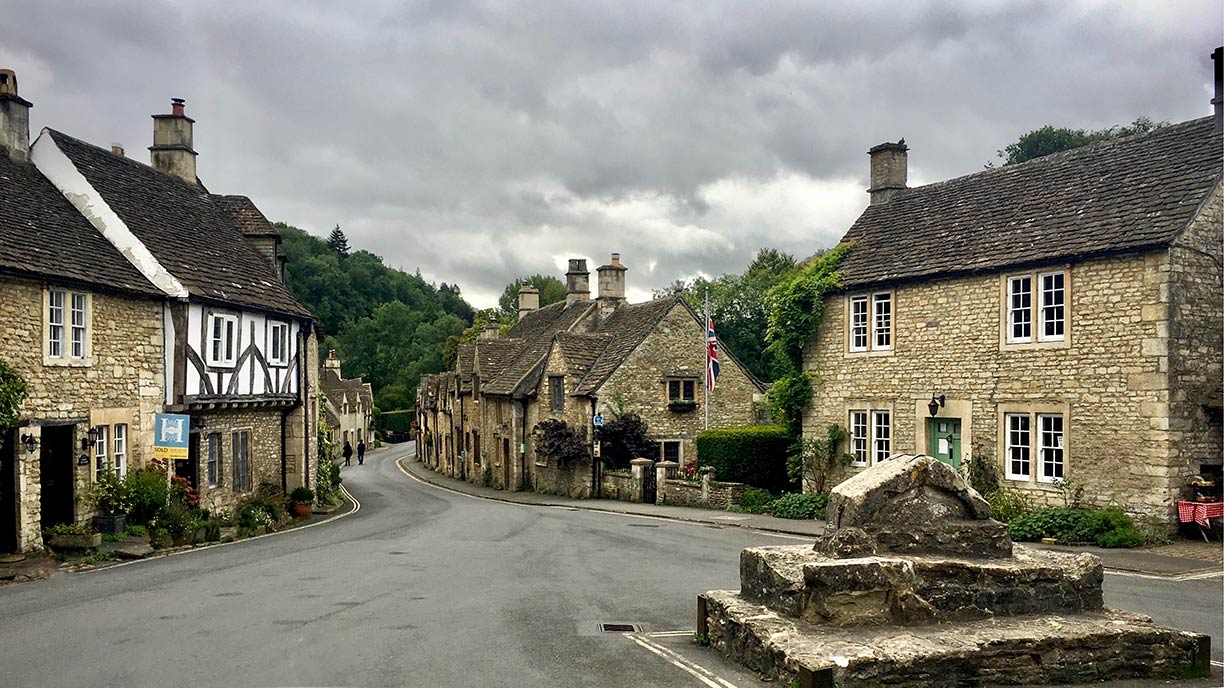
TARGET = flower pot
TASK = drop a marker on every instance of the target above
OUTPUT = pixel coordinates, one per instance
(111, 524)
(302, 509)
(76, 541)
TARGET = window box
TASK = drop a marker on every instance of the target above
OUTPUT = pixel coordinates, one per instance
(682, 406)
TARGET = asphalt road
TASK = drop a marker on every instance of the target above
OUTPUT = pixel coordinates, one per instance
(420, 587)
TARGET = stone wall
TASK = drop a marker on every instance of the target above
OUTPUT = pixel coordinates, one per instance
(120, 381)
(572, 481)
(1107, 378)
(1195, 333)
(265, 450)
(725, 495)
(619, 487)
(676, 349)
(680, 493)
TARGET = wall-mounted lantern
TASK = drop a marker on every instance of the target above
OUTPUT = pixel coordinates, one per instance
(91, 440)
(30, 442)
(936, 403)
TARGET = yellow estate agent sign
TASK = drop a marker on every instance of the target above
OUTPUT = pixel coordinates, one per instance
(170, 435)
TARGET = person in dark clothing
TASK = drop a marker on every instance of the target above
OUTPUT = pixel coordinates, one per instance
(360, 453)
(347, 453)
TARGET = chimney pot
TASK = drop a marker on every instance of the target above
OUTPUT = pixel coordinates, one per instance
(14, 118)
(889, 163)
(117, 149)
(577, 282)
(176, 106)
(611, 284)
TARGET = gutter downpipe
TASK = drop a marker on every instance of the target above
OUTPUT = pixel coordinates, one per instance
(595, 481)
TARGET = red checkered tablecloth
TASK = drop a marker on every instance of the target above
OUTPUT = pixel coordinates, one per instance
(1199, 512)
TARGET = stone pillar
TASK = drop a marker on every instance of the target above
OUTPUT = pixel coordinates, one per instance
(667, 470)
(707, 477)
(637, 470)
(28, 492)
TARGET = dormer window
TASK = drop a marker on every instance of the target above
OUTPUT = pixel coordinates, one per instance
(278, 344)
(222, 340)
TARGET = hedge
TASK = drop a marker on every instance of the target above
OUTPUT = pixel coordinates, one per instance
(755, 455)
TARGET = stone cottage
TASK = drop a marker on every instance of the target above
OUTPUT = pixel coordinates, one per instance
(573, 360)
(132, 290)
(1059, 317)
(348, 404)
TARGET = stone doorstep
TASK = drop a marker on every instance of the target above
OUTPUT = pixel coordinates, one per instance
(1092, 646)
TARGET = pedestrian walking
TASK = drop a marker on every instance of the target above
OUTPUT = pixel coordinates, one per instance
(347, 453)
(360, 453)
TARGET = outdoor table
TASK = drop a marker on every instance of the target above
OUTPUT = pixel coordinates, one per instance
(1199, 513)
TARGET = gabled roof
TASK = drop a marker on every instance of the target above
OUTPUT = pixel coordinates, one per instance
(189, 231)
(535, 330)
(1131, 194)
(250, 220)
(580, 351)
(627, 326)
(43, 236)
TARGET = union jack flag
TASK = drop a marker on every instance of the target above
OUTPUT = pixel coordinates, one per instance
(711, 355)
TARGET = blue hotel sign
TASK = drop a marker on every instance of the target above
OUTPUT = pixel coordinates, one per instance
(170, 434)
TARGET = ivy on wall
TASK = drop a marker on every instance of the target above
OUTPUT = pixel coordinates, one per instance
(12, 393)
(796, 308)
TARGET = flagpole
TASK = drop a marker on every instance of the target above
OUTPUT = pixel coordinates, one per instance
(706, 339)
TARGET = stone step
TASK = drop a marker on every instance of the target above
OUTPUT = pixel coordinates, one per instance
(1072, 648)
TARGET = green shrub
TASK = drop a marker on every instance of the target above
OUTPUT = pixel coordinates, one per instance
(754, 455)
(1006, 504)
(147, 492)
(801, 506)
(133, 530)
(1104, 527)
(983, 476)
(755, 500)
(303, 495)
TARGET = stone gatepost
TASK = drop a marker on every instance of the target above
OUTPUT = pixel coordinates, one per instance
(637, 470)
(707, 478)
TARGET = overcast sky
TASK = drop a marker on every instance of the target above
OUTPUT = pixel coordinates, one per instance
(480, 142)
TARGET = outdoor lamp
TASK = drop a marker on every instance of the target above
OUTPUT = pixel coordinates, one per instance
(936, 402)
(30, 442)
(87, 442)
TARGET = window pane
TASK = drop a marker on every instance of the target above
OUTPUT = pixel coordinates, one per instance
(55, 322)
(214, 458)
(120, 453)
(230, 326)
(858, 437)
(1051, 446)
(689, 390)
(100, 454)
(1017, 446)
(858, 323)
(673, 390)
(883, 320)
(883, 436)
(1020, 309)
(78, 325)
(1052, 304)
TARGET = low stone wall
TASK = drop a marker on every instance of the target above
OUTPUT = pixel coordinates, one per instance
(680, 493)
(573, 481)
(618, 487)
(724, 495)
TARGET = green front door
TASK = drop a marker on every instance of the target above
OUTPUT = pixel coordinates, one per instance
(944, 440)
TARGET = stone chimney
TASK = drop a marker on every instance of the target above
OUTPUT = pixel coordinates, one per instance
(528, 300)
(14, 118)
(611, 284)
(117, 149)
(889, 163)
(171, 151)
(491, 330)
(1217, 57)
(577, 282)
(332, 362)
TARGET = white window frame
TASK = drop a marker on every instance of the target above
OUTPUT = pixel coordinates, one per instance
(860, 318)
(119, 449)
(227, 343)
(79, 313)
(876, 329)
(860, 437)
(278, 335)
(1013, 310)
(1058, 448)
(56, 329)
(1011, 434)
(1041, 320)
(101, 457)
(876, 440)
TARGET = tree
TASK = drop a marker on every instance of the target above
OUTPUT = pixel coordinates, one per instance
(551, 289)
(1050, 139)
(12, 394)
(338, 242)
(625, 438)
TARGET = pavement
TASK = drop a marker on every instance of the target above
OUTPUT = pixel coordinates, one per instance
(1183, 560)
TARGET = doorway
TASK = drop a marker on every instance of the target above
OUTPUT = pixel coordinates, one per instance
(8, 492)
(189, 468)
(944, 440)
(55, 463)
(506, 469)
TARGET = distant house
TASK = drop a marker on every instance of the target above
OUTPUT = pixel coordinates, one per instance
(1060, 317)
(348, 405)
(130, 290)
(572, 360)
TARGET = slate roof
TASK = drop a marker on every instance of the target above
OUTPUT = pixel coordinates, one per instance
(1130, 194)
(627, 326)
(249, 218)
(580, 351)
(43, 236)
(535, 331)
(188, 230)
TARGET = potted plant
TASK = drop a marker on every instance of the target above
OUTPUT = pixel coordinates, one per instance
(73, 536)
(109, 498)
(303, 501)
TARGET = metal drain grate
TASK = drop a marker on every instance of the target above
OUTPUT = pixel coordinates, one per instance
(618, 628)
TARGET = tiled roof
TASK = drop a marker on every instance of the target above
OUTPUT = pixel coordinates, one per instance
(1123, 195)
(465, 360)
(247, 216)
(43, 236)
(581, 350)
(492, 355)
(535, 330)
(189, 231)
(627, 326)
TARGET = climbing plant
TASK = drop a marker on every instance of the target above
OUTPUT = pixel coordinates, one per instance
(796, 307)
(557, 440)
(12, 393)
(814, 460)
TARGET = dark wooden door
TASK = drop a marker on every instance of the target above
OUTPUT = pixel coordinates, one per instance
(189, 468)
(55, 461)
(8, 492)
(506, 470)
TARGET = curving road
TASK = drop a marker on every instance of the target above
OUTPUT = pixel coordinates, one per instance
(420, 587)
